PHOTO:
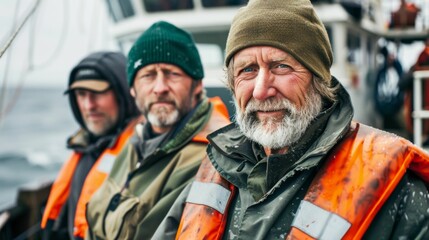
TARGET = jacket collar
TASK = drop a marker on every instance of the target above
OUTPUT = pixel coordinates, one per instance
(82, 142)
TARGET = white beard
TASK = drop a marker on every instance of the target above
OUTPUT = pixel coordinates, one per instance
(275, 133)
(163, 119)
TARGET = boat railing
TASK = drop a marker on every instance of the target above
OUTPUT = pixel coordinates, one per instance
(22, 221)
(419, 114)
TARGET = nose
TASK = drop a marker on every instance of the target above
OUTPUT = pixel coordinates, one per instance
(161, 85)
(264, 88)
(89, 102)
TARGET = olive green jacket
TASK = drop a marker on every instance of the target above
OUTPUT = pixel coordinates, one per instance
(134, 199)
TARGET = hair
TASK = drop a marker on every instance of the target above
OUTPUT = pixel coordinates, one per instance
(321, 86)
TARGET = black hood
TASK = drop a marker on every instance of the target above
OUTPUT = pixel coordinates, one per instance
(112, 65)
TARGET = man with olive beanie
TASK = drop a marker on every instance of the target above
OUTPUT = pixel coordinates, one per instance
(294, 165)
(165, 77)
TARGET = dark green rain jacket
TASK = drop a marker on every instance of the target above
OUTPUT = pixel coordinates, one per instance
(270, 189)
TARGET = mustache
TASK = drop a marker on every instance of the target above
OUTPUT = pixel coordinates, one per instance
(91, 112)
(269, 105)
(166, 99)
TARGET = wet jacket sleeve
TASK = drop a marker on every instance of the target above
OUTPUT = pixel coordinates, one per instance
(168, 227)
(405, 215)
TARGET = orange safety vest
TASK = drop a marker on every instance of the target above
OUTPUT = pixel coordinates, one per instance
(96, 176)
(354, 166)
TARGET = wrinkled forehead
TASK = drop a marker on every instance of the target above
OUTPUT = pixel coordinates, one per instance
(262, 54)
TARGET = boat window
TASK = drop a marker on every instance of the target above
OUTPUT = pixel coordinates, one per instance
(354, 54)
(120, 9)
(211, 55)
(167, 5)
(223, 3)
(331, 39)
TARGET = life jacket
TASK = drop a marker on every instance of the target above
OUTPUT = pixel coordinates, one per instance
(405, 16)
(328, 210)
(61, 187)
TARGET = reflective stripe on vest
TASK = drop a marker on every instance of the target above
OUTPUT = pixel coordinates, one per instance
(195, 213)
(106, 163)
(353, 166)
(96, 176)
(319, 223)
(209, 194)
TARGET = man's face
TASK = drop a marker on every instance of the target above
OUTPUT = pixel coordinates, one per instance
(274, 96)
(99, 110)
(164, 93)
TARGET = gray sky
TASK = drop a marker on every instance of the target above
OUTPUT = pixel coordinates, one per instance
(61, 32)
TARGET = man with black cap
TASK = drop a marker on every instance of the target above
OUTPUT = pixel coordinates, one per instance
(102, 105)
(294, 165)
(165, 75)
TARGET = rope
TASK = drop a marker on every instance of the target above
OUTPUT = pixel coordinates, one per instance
(17, 91)
(8, 60)
(9, 42)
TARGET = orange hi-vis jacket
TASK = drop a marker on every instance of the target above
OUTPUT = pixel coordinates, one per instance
(96, 176)
(367, 162)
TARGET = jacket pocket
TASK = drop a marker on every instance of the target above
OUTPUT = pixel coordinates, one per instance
(120, 212)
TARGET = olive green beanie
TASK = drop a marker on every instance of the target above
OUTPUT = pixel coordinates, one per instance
(290, 25)
(165, 43)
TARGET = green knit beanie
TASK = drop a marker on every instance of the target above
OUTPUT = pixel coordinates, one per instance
(165, 43)
(290, 25)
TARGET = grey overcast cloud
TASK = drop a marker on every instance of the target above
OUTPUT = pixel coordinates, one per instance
(53, 40)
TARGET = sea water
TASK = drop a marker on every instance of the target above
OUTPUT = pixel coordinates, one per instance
(32, 138)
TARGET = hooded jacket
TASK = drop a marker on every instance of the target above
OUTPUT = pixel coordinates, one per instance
(92, 156)
(112, 66)
(243, 211)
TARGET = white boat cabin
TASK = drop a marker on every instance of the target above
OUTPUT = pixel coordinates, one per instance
(354, 28)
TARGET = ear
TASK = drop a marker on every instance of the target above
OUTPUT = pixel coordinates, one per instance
(198, 88)
(133, 92)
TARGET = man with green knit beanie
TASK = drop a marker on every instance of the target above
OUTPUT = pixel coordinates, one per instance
(165, 77)
(294, 165)
(165, 43)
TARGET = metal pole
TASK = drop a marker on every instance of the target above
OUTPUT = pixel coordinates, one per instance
(419, 113)
(417, 105)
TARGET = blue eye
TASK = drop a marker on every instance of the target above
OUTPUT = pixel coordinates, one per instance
(247, 69)
(281, 69)
(282, 66)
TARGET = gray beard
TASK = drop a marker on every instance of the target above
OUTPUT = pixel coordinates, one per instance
(162, 118)
(275, 133)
